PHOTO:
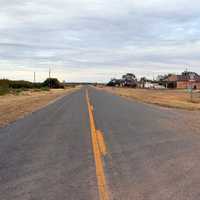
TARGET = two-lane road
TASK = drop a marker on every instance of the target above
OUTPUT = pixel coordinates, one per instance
(95, 145)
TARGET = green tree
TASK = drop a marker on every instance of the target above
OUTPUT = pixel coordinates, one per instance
(52, 83)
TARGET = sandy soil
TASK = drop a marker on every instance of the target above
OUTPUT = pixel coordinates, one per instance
(13, 107)
(167, 98)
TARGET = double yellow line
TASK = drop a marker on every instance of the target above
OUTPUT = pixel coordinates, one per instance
(99, 150)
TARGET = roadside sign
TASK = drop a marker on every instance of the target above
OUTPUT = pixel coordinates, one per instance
(190, 90)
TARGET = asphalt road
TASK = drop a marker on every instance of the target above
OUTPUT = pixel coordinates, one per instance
(51, 154)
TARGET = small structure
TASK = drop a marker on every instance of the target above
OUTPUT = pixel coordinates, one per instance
(153, 85)
(170, 81)
(188, 80)
(185, 80)
(150, 84)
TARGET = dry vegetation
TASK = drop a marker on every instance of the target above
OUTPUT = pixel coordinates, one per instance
(14, 106)
(168, 98)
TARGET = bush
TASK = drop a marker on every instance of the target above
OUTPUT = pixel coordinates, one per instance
(4, 83)
(45, 89)
(7, 86)
(4, 90)
(20, 84)
(52, 83)
(4, 86)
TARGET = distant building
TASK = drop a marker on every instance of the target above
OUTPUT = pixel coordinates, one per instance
(183, 81)
(148, 84)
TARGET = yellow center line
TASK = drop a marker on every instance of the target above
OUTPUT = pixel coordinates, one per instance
(101, 143)
(98, 150)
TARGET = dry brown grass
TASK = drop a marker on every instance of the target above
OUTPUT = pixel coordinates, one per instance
(168, 98)
(13, 107)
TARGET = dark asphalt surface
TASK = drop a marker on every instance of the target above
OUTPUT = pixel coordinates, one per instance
(48, 155)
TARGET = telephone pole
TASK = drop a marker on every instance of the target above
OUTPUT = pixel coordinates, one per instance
(49, 77)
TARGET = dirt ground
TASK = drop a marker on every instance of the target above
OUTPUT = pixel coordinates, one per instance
(13, 107)
(167, 98)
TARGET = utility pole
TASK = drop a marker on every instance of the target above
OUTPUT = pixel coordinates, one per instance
(191, 94)
(49, 77)
(191, 89)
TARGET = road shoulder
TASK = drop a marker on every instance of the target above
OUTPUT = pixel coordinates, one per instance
(13, 107)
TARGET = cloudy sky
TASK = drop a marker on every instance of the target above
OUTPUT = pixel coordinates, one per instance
(94, 40)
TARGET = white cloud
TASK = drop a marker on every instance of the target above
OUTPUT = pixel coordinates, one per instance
(95, 40)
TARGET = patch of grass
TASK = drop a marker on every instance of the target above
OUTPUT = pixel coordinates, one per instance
(167, 98)
(18, 86)
(41, 89)
(18, 91)
(45, 89)
(4, 90)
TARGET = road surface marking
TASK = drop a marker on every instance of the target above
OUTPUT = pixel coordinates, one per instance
(101, 143)
(101, 179)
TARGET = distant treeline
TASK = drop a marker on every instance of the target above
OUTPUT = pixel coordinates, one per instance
(11, 86)
(50, 82)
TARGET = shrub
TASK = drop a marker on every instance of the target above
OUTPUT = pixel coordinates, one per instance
(16, 87)
(45, 89)
(4, 86)
(20, 84)
(4, 83)
(4, 90)
(52, 83)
